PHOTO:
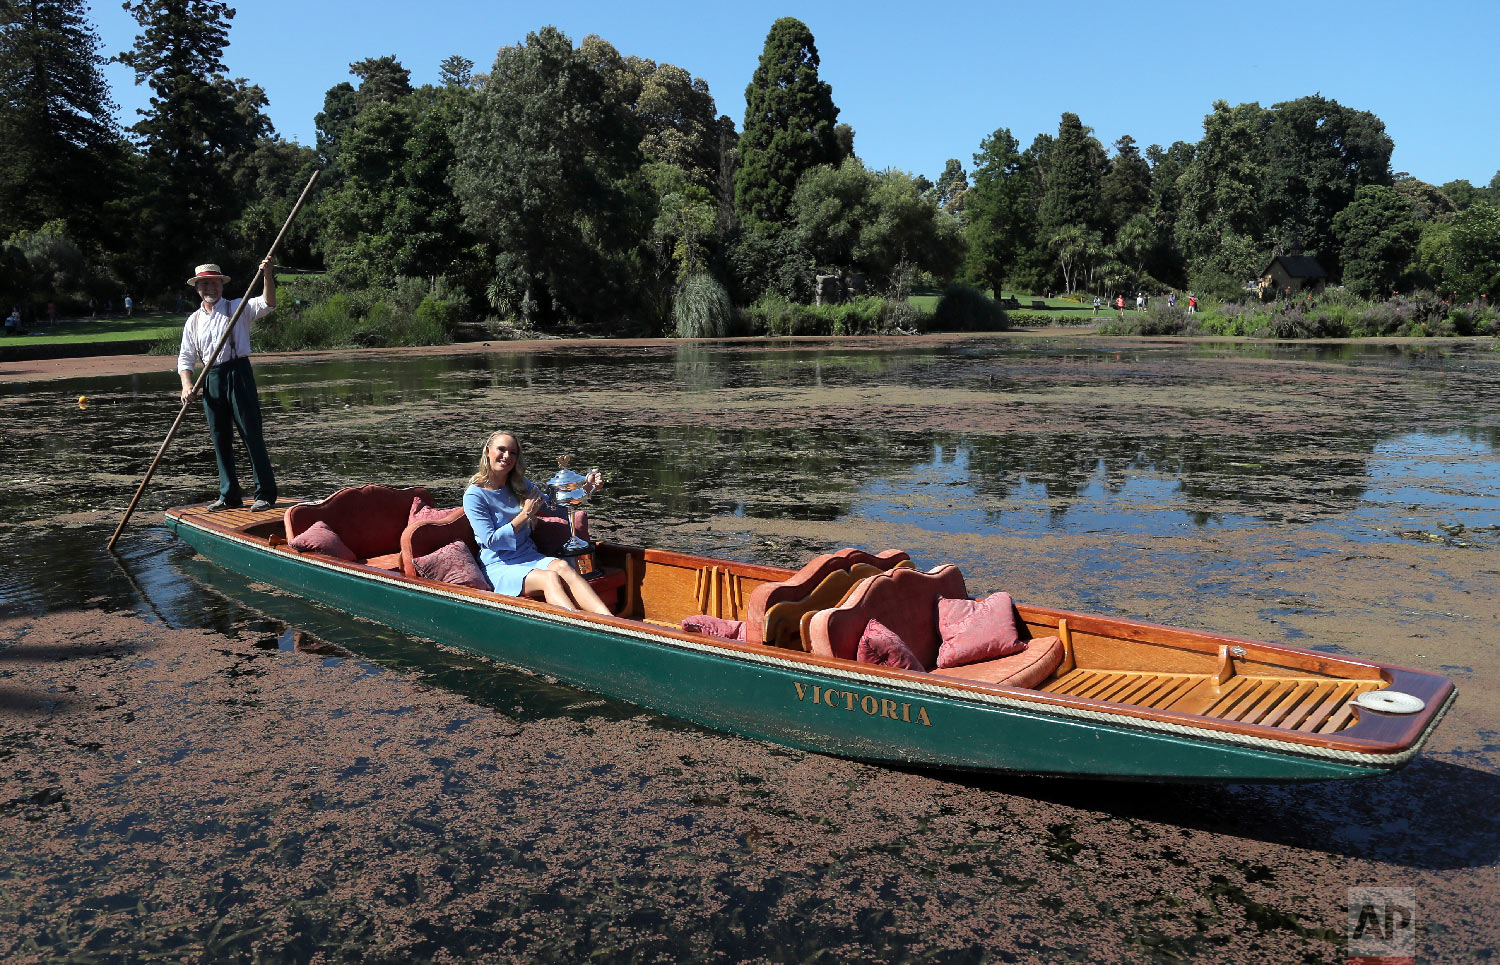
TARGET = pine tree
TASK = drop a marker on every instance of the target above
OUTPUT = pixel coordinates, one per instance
(61, 156)
(951, 185)
(998, 211)
(789, 124)
(1126, 189)
(198, 124)
(1073, 171)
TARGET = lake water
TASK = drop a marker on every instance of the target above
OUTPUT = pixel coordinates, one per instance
(1344, 497)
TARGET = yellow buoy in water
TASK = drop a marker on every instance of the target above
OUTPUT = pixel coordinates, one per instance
(83, 402)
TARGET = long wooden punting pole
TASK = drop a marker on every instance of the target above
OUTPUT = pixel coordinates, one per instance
(203, 373)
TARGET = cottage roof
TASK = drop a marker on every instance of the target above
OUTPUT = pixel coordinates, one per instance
(1297, 266)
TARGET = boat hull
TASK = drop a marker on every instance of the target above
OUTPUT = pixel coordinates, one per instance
(786, 701)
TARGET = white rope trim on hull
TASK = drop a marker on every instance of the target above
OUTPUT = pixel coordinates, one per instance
(1119, 721)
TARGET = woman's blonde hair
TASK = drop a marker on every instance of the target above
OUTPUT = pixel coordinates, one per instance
(518, 483)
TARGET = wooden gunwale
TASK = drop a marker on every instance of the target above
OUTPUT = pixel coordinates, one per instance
(1373, 734)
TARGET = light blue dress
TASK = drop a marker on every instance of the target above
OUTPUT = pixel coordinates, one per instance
(506, 554)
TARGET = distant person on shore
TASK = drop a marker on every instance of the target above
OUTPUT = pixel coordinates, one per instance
(501, 504)
(230, 399)
(1192, 304)
(52, 313)
(1096, 304)
(93, 307)
(129, 307)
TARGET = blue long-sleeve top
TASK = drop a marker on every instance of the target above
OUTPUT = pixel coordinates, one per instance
(490, 512)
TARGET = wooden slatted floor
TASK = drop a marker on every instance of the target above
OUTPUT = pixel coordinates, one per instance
(242, 517)
(1313, 705)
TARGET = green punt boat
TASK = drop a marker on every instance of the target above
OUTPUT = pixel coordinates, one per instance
(1098, 697)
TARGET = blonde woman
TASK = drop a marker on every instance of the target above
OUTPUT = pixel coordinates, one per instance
(501, 504)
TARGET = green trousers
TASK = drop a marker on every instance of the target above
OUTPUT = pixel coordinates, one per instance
(231, 402)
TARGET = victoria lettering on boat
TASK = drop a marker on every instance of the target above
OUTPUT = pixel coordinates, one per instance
(874, 706)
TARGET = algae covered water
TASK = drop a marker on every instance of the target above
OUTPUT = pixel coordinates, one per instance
(197, 766)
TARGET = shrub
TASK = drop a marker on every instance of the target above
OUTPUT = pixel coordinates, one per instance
(1475, 318)
(701, 308)
(313, 313)
(858, 316)
(1027, 318)
(964, 308)
(774, 315)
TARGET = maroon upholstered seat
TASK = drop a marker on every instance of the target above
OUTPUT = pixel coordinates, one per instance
(902, 599)
(805, 581)
(906, 601)
(369, 519)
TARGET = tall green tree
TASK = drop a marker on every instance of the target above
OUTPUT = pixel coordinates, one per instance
(1378, 232)
(674, 110)
(197, 122)
(1317, 155)
(1472, 265)
(1072, 205)
(1125, 190)
(1463, 194)
(1167, 166)
(428, 220)
(382, 80)
(1428, 201)
(849, 217)
(999, 222)
(545, 173)
(1072, 172)
(951, 185)
(61, 156)
(1220, 225)
(789, 123)
(360, 236)
(339, 110)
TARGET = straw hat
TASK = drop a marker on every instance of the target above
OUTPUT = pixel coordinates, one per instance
(206, 271)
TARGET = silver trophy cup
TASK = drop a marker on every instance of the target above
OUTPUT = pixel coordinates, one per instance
(565, 491)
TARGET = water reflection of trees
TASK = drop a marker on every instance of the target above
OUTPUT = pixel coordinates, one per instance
(814, 474)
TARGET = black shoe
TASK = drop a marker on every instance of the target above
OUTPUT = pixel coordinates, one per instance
(261, 505)
(219, 505)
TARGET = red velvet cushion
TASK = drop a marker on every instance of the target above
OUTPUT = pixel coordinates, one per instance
(975, 630)
(421, 512)
(549, 533)
(452, 564)
(320, 538)
(882, 647)
(715, 626)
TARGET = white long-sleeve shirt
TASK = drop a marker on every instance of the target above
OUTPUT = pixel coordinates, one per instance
(204, 329)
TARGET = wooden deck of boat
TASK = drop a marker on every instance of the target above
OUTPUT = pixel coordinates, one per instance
(242, 518)
(1312, 705)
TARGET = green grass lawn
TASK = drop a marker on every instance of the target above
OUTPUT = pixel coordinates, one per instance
(147, 326)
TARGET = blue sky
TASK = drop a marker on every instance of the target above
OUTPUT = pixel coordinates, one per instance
(921, 83)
